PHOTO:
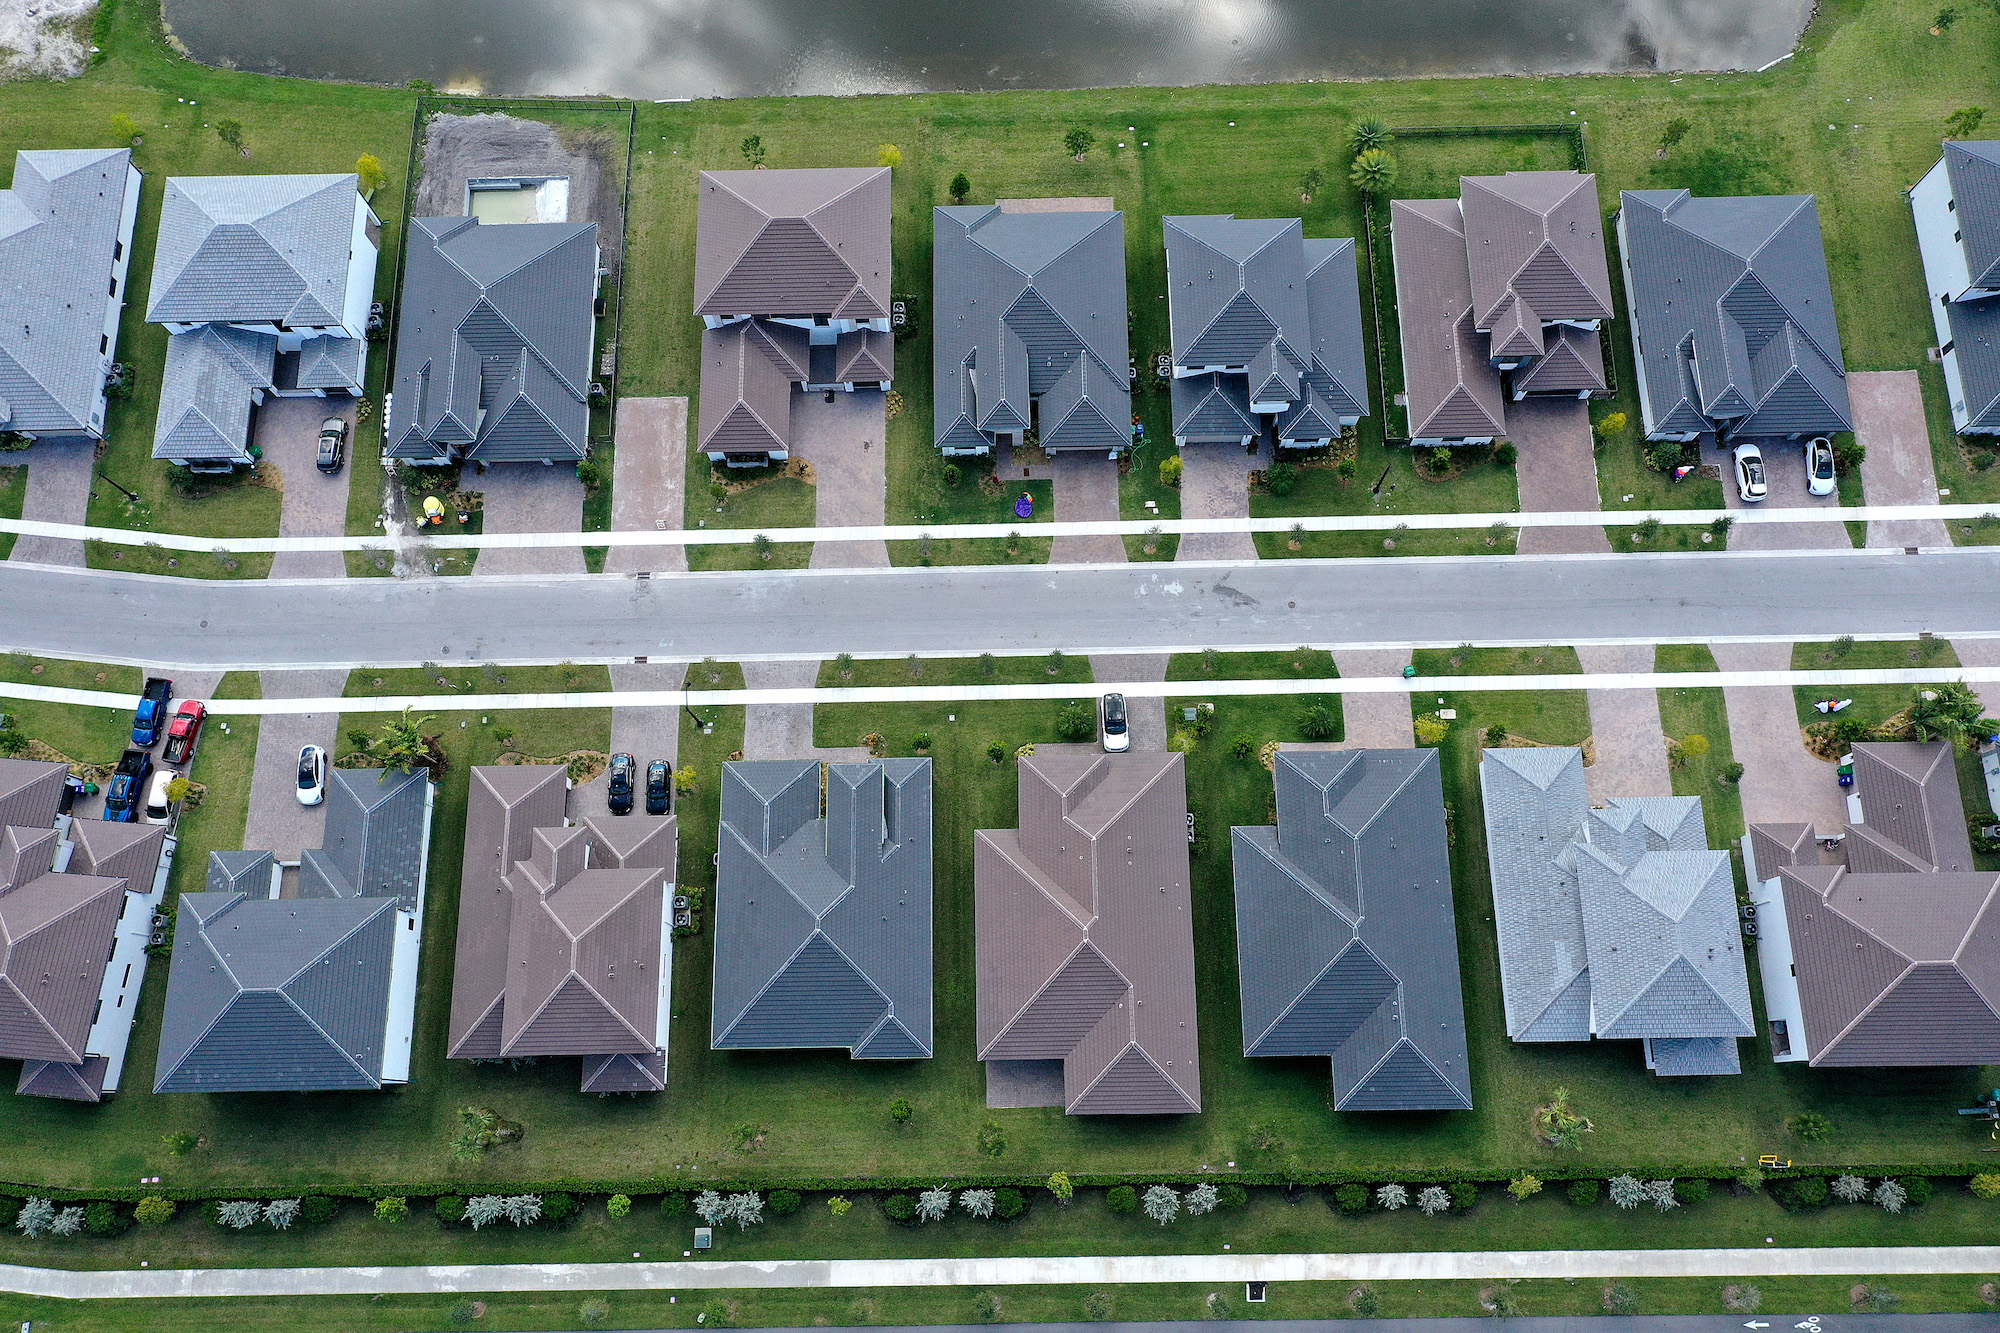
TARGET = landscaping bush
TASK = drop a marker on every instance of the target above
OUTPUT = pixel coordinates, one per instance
(783, 1202)
(673, 1205)
(949, 475)
(1663, 455)
(1351, 1198)
(900, 1209)
(559, 1209)
(1009, 1204)
(1170, 470)
(1583, 1193)
(318, 1208)
(1282, 479)
(1317, 723)
(101, 1217)
(1985, 1185)
(1800, 1193)
(1076, 721)
(1464, 1193)
(1504, 454)
(1231, 1196)
(1122, 1199)
(153, 1211)
(1917, 1189)
(1692, 1191)
(451, 1209)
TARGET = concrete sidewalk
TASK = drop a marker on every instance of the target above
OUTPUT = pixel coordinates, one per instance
(710, 1275)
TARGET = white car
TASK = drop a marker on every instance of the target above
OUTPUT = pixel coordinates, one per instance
(1819, 466)
(1750, 473)
(312, 775)
(1111, 719)
(159, 809)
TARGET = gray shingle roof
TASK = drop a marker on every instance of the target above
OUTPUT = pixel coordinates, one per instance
(374, 842)
(1019, 299)
(494, 341)
(823, 924)
(1345, 933)
(1254, 293)
(1974, 170)
(1452, 389)
(813, 241)
(1084, 938)
(1535, 238)
(276, 995)
(1733, 312)
(205, 393)
(254, 250)
(1616, 922)
(59, 228)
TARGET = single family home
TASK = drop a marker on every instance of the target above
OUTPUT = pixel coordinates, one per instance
(1957, 207)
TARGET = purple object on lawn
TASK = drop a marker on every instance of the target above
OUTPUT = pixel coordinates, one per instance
(1025, 506)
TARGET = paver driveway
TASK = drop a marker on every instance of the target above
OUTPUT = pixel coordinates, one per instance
(1898, 468)
(315, 504)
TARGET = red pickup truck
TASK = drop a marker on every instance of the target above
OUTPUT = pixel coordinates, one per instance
(184, 732)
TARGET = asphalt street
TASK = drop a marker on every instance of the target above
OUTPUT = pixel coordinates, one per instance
(248, 624)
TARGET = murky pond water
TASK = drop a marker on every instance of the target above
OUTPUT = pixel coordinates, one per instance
(736, 48)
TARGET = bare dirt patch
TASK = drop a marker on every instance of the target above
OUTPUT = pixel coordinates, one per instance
(46, 40)
(461, 148)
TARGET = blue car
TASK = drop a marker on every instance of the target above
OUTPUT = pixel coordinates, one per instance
(128, 787)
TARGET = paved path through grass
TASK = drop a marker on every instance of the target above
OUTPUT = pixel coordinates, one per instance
(704, 1275)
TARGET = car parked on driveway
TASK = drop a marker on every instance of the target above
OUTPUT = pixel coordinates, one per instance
(159, 805)
(151, 714)
(332, 445)
(312, 775)
(659, 788)
(128, 787)
(184, 732)
(618, 793)
(1111, 718)
(1750, 473)
(1819, 466)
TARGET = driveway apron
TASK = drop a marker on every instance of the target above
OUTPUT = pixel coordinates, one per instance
(648, 482)
(1555, 468)
(785, 731)
(1782, 783)
(277, 823)
(644, 733)
(1625, 726)
(1898, 468)
(1375, 721)
(1785, 479)
(843, 440)
(315, 504)
(1215, 483)
(527, 497)
(59, 481)
(1086, 490)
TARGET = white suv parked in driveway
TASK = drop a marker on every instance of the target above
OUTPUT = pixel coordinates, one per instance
(1750, 473)
(1819, 466)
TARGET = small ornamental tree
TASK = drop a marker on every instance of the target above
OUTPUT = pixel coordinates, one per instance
(1162, 1203)
(977, 1202)
(67, 1221)
(391, 1210)
(35, 1217)
(960, 187)
(123, 127)
(839, 1205)
(1524, 1187)
(1432, 1200)
(1392, 1197)
(1060, 1187)
(1627, 1191)
(1853, 1189)
(1374, 172)
(230, 132)
(746, 1209)
(1370, 133)
(1202, 1199)
(1078, 141)
(753, 149)
(154, 1211)
(888, 155)
(1810, 1126)
(368, 168)
(1676, 130)
(933, 1204)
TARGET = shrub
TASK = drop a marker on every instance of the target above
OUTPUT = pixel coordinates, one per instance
(1351, 1198)
(1496, 735)
(1243, 748)
(618, 1205)
(1281, 479)
(391, 1210)
(922, 742)
(593, 1314)
(991, 1140)
(1391, 1197)
(784, 1202)
(1917, 1190)
(1060, 1186)
(1743, 1297)
(104, 1218)
(949, 475)
(900, 1209)
(1583, 1193)
(1076, 721)
(1097, 1306)
(1364, 1303)
(986, 1308)
(1798, 1193)
(1170, 470)
(1162, 1203)
(317, 1208)
(1621, 1299)
(1731, 773)
(592, 475)
(1693, 1191)
(1432, 1200)
(181, 1142)
(1430, 729)
(463, 1313)
(1985, 1185)
(1849, 454)
(1464, 1193)
(450, 1209)
(1504, 454)
(933, 1204)
(154, 1211)
(1122, 1199)
(1232, 1196)
(997, 752)
(1524, 1188)
(1009, 1204)
(1849, 1188)
(559, 1208)
(282, 1213)
(977, 1202)
(1627, 1191)
(1317, 723)
(673, 1205)
(1663, 455)
(1810, 1126)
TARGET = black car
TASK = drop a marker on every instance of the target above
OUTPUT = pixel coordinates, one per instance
(619, 797)
(659, 788)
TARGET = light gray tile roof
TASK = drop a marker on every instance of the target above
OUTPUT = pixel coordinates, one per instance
(1734, 312)
(59, 227)
(1254, 293)
(205, 393)
(327, 362)
(374, 842)
(812, 241)
(1536, 238)
(254, 250)
(494, 340)
(1019, 300)
(1345, 933)
(1974, 170)
(1666, 956)
(1534, 801)
(1084, 935)
(276, 995)
(823, 923)
(1452, 388)
(1682, 1057)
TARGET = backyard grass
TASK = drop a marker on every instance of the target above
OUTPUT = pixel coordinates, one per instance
(1694, 710)
(919, 1306)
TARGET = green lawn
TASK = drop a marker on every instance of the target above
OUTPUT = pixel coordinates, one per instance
(976, 496)
(1873, 703)
(772, 503)
(1691, 710)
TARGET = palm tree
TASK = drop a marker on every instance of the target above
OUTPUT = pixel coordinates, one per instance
(1374, 171)
(401, 745)
(1948, 712)
(1370, 133)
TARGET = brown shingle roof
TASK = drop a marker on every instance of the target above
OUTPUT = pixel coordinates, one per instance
(797, 242)
(53, 936)
(1452, 388)
(1085, 944)
(747, 372)
(1536, 237)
